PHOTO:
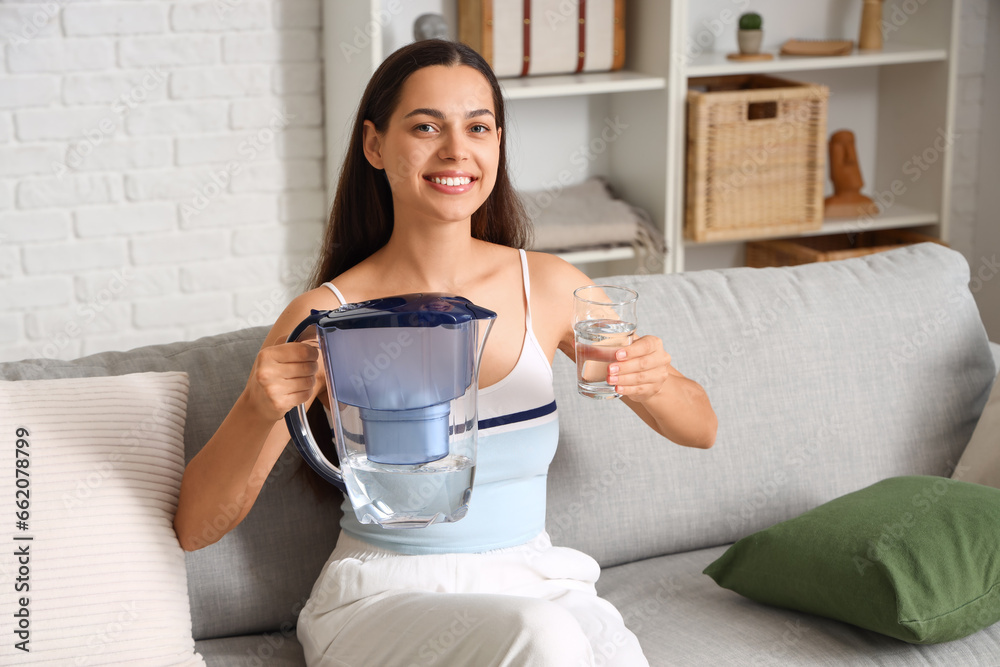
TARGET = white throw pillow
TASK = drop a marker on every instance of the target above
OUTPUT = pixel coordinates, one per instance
(91, 572)
(980, 462)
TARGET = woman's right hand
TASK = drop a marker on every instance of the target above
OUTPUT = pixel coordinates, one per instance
(283, 376)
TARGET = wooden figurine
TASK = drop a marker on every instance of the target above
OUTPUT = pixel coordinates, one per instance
(845, 172)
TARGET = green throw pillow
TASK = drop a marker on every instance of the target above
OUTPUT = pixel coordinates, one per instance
(916, 558)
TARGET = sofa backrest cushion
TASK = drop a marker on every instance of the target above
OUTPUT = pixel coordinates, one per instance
(257, 577)
(825, 378)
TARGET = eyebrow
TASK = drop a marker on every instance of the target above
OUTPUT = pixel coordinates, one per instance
(434, 113)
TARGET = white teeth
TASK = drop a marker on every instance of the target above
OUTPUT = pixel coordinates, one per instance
(464, 180)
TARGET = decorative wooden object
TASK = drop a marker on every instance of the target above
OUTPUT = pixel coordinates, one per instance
(871, 26)
(845, 172)
(750, 56)
(817, 47)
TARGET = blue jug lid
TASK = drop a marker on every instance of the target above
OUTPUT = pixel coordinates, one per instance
(425, 309)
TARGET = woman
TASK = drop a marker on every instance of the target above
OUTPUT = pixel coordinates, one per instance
(424, 203)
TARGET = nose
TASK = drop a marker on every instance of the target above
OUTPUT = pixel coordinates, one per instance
(453, 146)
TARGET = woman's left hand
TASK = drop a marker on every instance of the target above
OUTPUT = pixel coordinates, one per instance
(640, 369)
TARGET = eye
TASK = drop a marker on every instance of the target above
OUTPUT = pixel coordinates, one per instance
(480, 129)
(424, 127)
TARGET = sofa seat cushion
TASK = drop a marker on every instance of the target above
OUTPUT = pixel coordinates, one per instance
(683, 618)
(273, 649)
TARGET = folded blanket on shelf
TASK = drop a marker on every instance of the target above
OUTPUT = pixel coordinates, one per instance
(588, 216)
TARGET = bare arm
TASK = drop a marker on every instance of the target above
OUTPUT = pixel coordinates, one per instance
(679, 411)
(671, 404)
(223, 480)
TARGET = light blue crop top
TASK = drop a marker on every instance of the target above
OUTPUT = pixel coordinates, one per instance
(518, 434)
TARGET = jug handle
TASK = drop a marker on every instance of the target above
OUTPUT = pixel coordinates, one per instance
(298, 425)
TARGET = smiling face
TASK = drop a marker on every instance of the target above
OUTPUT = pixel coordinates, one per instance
(441, 147)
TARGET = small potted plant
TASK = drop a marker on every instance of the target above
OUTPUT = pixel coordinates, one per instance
(750, 34)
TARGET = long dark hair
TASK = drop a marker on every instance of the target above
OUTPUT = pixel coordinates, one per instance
(362, 216)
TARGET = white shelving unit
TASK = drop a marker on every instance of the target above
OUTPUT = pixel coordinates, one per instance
(899, 102)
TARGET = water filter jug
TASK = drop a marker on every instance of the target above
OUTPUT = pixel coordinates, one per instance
(402, 376)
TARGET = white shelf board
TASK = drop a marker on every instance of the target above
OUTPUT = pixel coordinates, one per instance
(899, 216)
(533, 87)
(715, 63)
(597, 255)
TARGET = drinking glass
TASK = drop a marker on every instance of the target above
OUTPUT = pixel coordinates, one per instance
(604, 321)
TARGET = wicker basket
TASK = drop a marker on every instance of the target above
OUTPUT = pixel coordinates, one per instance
(789, 252)
(755, 157)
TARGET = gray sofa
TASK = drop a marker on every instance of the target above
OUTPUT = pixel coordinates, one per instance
(826, 378)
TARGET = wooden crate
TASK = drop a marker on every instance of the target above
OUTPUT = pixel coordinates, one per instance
(756, 157)
(789, 252)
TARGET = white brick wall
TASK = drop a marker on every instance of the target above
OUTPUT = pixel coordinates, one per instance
(161, 169)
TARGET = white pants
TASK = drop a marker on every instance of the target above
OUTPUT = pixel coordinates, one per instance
(524, 606)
